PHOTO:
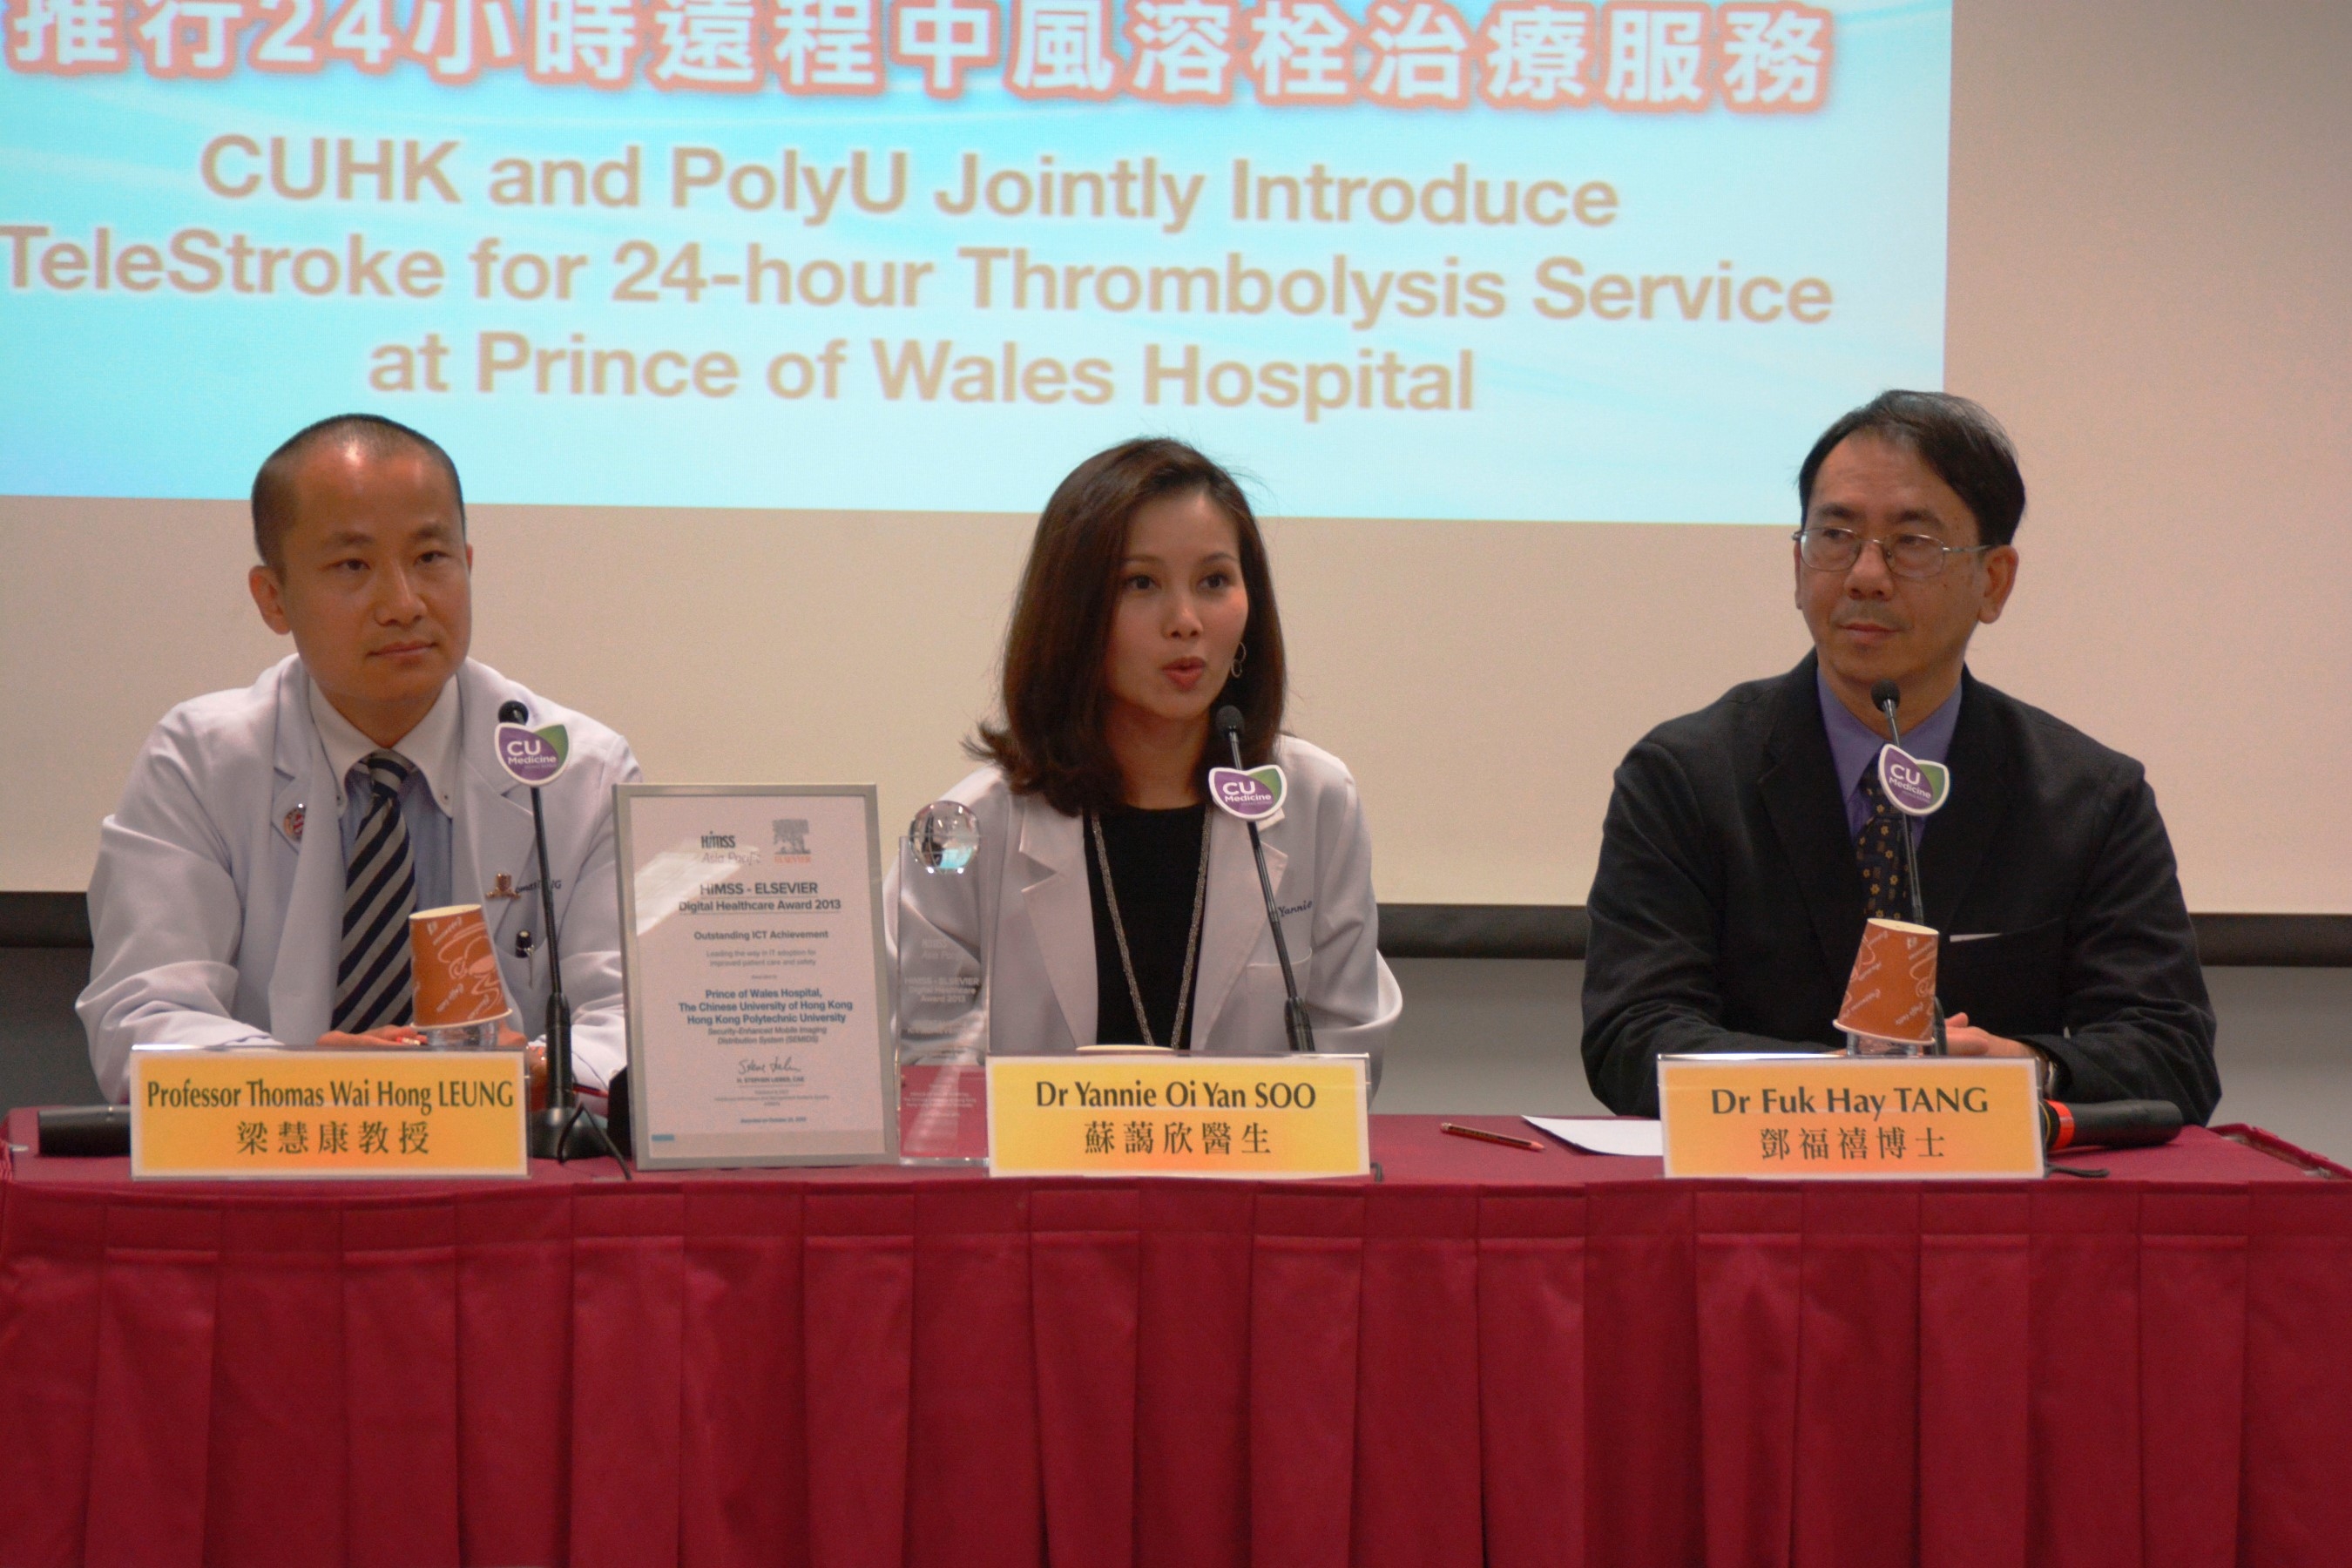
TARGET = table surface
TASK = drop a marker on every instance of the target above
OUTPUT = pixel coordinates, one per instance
(1405, 1149)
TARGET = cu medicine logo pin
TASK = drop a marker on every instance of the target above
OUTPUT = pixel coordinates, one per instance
(1256, 795)
(533, 757)
(1914, 786)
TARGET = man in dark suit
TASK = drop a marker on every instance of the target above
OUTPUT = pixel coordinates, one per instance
(1747, 843)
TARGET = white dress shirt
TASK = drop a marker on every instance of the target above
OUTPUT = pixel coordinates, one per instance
(428, 801)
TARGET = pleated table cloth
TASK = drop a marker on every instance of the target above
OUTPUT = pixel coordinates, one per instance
(1485, 1357)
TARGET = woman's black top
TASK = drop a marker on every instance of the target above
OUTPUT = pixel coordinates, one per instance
(1155, 863)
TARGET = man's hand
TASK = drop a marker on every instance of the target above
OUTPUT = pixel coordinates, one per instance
(1960, 1039)
(374, 1040)
(535, 1058)
(535, 1064)
(1963, 1039)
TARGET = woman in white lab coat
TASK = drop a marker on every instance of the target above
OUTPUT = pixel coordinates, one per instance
(1114, 904)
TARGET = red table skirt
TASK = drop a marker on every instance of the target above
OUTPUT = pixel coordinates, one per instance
(1471, 1362)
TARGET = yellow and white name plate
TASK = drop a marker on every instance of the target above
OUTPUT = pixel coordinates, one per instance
(1165, 1114)
(1834, 1118)
(312, 1115)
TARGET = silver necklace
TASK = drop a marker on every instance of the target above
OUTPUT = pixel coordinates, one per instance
(1192, 940)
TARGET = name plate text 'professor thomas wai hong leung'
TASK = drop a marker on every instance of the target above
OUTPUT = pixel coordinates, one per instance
(313, 1115)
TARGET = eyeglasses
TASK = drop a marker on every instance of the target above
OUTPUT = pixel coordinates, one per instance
(1918, 556)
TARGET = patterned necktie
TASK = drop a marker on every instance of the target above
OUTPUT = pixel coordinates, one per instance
(1879, 848)
(373, 982)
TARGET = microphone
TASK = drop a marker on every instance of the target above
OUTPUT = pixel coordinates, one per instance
(2110, 1124)
(534, 758)
(1294, 1012)
(83, 1131)
(1887, 697)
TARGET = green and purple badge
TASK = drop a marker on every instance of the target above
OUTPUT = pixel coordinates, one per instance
(533, 757)
(1254, 796)
(1914, 785)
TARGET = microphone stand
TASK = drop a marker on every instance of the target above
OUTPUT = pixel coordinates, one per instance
(1295, 1022)
(1911, 866)
(555, 1131)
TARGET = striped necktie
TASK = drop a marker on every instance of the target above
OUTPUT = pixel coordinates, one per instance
(373, 982)
(1879, 848)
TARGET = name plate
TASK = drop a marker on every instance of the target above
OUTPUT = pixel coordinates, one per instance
(1829, 1117)
(249, 1115)
(1165, 1114)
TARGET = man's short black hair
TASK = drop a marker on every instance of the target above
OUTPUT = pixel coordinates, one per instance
(273, 487)
(1959, 440)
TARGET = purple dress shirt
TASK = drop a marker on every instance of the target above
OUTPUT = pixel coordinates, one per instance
(1854, 745)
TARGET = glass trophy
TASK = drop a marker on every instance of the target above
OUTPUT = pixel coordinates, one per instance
(1877, 1045)
(482, 1037)
(941, 1001)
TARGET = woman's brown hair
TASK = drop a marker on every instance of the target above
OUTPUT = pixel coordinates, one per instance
(1052, 741)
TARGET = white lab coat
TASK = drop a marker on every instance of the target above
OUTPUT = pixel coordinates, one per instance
(1037, 935)
(217, 905)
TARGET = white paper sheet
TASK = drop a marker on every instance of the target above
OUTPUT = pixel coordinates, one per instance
(1603, 1135)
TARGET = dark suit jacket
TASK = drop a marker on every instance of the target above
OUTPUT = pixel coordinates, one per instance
(1727, 905)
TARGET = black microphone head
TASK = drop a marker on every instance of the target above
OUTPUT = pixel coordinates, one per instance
(1886, 693)
(513, 712)
(1229, 720)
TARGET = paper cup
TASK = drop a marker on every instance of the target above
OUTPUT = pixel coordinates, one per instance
(457, 974)
(1892, 996)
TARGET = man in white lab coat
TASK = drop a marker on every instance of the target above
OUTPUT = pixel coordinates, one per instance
(255, 882)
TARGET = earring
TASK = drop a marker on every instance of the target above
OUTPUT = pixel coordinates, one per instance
(1241, 658)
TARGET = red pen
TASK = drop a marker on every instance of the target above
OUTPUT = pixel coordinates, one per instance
(1483, 1136)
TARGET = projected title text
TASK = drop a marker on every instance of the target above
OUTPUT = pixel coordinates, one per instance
(1478, 259)
(999, 279)
(1401, 54)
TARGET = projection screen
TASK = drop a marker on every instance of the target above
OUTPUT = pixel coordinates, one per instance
(760, 329)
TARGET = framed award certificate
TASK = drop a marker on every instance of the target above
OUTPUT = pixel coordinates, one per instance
(751, 961)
